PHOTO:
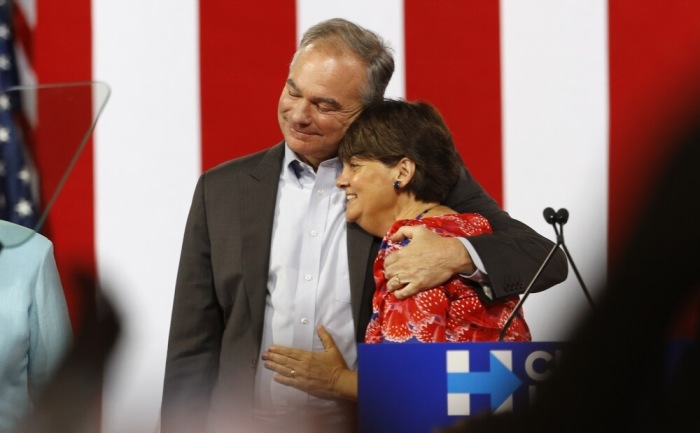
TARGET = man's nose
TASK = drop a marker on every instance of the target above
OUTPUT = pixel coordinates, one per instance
(301, 112)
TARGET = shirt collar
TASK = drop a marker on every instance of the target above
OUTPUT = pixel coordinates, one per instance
(298, 167)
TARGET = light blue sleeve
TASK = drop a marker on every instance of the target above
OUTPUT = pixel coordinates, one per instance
(50, 329)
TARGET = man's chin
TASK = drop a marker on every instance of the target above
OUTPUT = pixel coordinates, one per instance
(301, 146)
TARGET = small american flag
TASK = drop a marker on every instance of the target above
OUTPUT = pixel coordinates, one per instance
(17, 201)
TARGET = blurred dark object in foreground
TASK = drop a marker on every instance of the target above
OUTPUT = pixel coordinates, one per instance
(71, 403)
(616, 375)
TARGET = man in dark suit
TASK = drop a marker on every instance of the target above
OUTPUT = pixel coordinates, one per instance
(267, 254)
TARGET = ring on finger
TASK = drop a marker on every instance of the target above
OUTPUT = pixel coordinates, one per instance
(292, 374)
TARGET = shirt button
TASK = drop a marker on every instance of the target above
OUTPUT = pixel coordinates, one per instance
(307, 277)
(304, 321)
(313, 233)
(320, 191)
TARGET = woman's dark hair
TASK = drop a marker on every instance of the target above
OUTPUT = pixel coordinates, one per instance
(392, 129)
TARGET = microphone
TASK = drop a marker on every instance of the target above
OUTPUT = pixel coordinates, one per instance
(559, 217)
(549, 215)
(562, 216)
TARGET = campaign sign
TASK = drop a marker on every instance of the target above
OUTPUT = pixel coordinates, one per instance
(416, 387)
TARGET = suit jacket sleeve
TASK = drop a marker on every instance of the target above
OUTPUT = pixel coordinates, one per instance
(514, 252)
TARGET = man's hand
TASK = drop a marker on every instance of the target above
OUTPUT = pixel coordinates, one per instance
(322, 374)
(426, 262)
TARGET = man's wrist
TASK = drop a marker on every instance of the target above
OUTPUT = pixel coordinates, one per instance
(475, 259)
(479, 275)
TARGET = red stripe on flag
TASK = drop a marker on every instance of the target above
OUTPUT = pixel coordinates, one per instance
(654, 70)
(245, 50)
(71, 222)
(23, 34)
(453, 61)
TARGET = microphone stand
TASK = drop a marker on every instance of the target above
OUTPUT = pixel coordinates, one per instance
(560, 217)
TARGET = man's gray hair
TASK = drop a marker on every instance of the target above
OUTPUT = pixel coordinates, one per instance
(367, 45)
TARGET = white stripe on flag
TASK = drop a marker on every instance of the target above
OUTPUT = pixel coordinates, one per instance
(28, 8)
(147, 160)
(555, 133)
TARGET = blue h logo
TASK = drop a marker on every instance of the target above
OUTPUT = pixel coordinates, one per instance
(499, 382)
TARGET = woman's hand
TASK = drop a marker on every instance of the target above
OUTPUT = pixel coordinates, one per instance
(322, 374)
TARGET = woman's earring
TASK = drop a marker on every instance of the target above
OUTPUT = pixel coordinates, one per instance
(397, 184)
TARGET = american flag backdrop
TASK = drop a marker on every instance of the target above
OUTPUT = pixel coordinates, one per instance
(17, 191)
(557, 103)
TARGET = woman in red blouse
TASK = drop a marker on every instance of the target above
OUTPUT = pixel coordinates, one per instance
(399, 163)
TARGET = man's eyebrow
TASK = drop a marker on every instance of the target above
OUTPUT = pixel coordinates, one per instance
(317, 100)
(328, 101)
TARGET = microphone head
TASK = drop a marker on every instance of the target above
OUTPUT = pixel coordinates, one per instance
(562, 216)
(549, 215)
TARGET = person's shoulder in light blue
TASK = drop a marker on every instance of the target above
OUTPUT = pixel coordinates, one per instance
(36, 331)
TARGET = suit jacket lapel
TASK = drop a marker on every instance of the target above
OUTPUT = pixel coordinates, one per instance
(361, 254)
(259, 192)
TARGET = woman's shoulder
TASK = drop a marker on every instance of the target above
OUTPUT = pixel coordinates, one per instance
(14, 235)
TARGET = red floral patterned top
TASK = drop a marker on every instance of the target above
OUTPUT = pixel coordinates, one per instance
(452, 312)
